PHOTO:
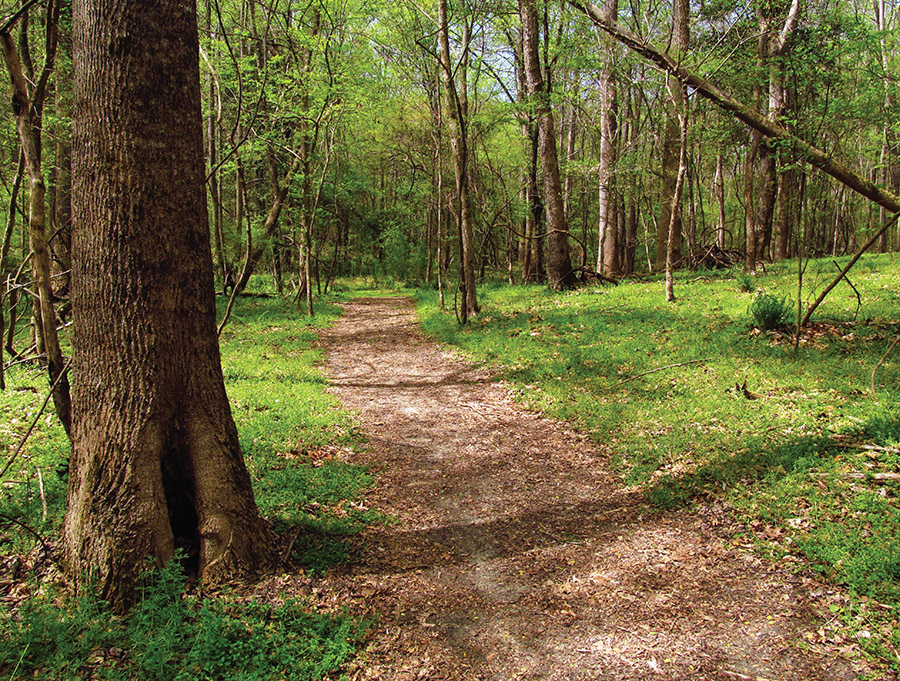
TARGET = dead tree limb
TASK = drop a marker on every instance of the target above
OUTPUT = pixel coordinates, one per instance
(866, 246)
(855, 290)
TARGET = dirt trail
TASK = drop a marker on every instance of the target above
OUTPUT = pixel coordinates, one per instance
(517, 555)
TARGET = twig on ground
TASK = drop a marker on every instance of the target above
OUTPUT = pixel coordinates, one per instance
(872, 448)
(43, 498)
(290, 546)
(653, 371)
(861, 476)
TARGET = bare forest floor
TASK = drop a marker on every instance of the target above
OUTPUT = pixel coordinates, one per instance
(517, 554)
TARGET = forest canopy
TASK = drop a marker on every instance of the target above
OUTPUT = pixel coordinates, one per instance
(333, 129)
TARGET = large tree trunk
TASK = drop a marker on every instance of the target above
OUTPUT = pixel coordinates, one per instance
(156, 463)
(560, 274)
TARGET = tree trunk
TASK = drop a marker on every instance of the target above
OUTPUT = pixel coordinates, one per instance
(749, 216)
(45, 315)
(459, 146)
(772, 49)
(156, 465)
(678, 190)
(784, 213)
(719, 189)
(560, 274)
(608, 262)
(671, 146)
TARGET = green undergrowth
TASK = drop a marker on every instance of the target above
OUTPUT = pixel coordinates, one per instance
(295, 439)
(169, 636)
(695, 401)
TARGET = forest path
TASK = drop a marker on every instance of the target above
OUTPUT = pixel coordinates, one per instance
(516, 553)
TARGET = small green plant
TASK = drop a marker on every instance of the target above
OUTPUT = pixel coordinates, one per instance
(745, 282)
(770, 312)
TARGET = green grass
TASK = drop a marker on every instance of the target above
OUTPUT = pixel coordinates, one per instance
(775, 434)
(295, 439)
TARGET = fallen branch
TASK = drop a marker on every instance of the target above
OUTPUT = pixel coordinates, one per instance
(43, 498)
(27, 528)
(888, 223)
(850, 284)
(653, 371)
(871, 448)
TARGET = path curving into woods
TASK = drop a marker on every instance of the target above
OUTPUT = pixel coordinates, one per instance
(517, 554)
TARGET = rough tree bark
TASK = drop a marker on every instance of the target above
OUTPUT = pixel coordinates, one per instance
(156, 463)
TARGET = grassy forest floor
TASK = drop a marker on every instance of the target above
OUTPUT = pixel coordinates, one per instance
(775, 470)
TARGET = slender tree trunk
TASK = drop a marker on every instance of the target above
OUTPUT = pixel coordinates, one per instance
(890, 171)
(676, 196)
(45, 315)
(719, 189)
(750, 240)
(438, 118)
(772, 49)
(671, 142)
(535, 220)
(608, 248)
(459, 146)
(560, 274)
(784, 213)
(156, 463)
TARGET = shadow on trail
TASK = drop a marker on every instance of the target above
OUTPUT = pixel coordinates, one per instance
(500, 538)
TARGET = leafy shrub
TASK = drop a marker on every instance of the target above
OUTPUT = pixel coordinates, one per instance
(769, 312)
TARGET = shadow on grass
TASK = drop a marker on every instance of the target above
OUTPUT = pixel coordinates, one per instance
(760, 459)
